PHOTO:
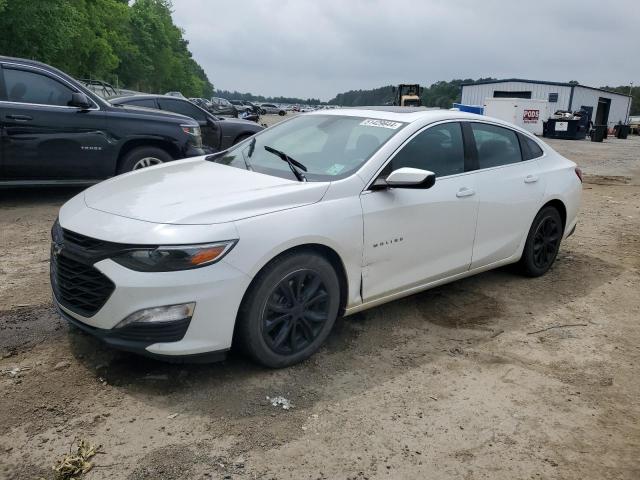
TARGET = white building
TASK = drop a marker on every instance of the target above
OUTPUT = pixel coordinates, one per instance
(606, 108)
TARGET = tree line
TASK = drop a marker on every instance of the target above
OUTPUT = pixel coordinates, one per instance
(440, 94)
(635, 96)
(131, 45)
(260, 98)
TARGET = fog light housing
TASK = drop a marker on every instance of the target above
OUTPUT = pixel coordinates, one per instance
(168, 313)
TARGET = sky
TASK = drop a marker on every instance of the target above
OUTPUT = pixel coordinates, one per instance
(316, 49)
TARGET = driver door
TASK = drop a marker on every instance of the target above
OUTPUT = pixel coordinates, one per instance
(416, 236)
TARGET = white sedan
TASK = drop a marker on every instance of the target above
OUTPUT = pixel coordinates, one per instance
(323, 215)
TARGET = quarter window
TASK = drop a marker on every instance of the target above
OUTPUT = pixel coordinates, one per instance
(439, 149)
(496, 145)
(29, 87)
(530, 149)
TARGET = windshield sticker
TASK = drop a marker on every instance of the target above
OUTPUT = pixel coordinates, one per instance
(335, 169)
(370, 122)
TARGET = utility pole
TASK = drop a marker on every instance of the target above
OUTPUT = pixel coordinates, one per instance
(630, 100)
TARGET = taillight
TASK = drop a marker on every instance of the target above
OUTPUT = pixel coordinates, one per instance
(579, 173)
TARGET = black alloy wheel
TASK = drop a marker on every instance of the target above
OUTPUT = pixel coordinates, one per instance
(546, 242)
(295, 312)
(543, 242)
(289, 309)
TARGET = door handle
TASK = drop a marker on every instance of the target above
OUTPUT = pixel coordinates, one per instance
(19, 118)
(531, 179)
(465, 192)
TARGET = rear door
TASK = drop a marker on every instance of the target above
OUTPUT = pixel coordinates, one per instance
(509, 189)
(43, 137)
(414, 236)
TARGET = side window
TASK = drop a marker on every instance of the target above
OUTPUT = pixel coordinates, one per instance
(439, 149)
(530, 149)
(146, 102)
(183, 108)
(30, 87)
(496, 145)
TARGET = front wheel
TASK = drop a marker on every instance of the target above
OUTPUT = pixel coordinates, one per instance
(143, 157)
(289, 309)
(543, 242)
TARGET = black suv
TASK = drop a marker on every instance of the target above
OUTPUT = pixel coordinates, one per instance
(54, 130)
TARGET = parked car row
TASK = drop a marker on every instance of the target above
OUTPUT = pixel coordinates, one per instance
(56, 130)
(218, 133)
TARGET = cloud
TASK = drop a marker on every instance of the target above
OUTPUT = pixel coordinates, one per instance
(319, 48)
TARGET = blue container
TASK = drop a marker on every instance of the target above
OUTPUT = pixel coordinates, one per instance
(469, 108)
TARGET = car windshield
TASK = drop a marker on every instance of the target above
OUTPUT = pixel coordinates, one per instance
(331, 147)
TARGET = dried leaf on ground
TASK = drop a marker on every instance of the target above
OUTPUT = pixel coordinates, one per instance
(75, 464)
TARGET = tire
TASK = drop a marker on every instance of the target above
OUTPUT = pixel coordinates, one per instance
(543, 242)
(242, 138)
(263, 112)
(132, 160)
(282, 113)
(274, 327)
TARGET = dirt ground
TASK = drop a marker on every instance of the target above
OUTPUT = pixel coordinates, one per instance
(466, 381)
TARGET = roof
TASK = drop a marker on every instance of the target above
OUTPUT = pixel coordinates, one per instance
(541, 82)
(398, 114)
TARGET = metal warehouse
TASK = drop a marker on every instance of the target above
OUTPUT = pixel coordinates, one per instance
(605, 108)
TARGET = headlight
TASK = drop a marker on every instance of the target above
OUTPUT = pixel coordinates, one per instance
(56, 232)
(194, 132)
(171, 259)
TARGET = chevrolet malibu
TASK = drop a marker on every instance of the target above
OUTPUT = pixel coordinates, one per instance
(265, 244)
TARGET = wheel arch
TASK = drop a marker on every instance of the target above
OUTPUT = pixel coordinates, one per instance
(129, 145)
(242, 135)
(560, 206)
(320, 249)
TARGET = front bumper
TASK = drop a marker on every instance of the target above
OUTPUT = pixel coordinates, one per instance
(217, 291)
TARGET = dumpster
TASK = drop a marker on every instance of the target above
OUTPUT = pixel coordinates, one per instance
(599, 133)
(567, 129)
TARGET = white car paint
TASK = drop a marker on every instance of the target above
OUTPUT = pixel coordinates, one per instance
(391, 243)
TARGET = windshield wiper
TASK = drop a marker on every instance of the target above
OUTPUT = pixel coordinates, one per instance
(252, 147)
(294, 165)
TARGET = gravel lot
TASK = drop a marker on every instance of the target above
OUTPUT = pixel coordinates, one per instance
(465, 381)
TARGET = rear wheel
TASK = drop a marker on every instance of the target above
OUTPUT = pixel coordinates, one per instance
(289, 310)
(142, 157)
(543, 242)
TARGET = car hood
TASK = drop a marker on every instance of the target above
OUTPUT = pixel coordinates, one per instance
(240, 121)
(199, 192)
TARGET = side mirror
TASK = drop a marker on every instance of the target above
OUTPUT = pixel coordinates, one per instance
(80, 100)
(406, 177)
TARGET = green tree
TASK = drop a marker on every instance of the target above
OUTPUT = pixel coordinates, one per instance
(635, 96)
(134, 45)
